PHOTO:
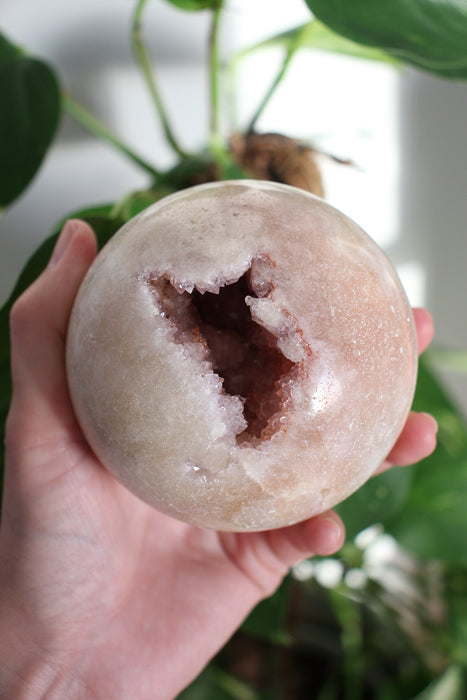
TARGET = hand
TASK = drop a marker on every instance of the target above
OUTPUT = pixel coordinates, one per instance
(100, 595)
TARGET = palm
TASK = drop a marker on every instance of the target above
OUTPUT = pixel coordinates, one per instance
(126, 572)
(133, 583)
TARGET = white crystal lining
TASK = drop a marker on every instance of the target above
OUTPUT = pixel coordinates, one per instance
(251, 345)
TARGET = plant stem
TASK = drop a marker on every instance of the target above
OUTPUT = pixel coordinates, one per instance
(149, 77)
(348, 615)
(214, 74)
(270, 92)
(81, 115)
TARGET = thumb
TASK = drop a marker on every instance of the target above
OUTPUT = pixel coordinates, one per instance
(38, 326)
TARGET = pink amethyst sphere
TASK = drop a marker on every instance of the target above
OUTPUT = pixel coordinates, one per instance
(241, 356)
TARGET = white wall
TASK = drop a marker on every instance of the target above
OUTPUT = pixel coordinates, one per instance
(433, 200)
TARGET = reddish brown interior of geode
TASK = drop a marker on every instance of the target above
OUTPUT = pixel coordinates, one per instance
(241, 351)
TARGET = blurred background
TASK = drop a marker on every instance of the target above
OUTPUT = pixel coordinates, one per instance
(401, 134)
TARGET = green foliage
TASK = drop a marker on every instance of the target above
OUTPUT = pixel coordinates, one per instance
(135, 202)
(216, 684)
(269, 619)
(423, 507)
(357, 642)
(316, 35)
(196, 4)
(430, 34)
(450, 686)
(29, 114)
(452, 360)
(376, 501)
(433, 522)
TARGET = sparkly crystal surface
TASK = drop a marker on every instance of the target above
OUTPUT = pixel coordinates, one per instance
(241, 355)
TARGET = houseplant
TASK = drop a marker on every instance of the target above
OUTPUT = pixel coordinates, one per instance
(421, 508)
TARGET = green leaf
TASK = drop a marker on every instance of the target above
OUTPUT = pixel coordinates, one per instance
(376, 501)
(316, 35)
(216, 684)
(422, 506)
(268, 620)
(195, 4)
(8, 51)
(433, 522)
(431, 396)
(200, 168)
(453, 360)
(454, 595)
(189, 171)
(104, 226)
(450, 686)
(430, 34)
(29, 115)
(133, 203)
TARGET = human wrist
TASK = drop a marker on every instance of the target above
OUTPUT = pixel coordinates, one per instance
(38, 679)
(27, 672)
(26, 679)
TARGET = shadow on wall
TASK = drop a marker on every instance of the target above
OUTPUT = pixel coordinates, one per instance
(99, 44)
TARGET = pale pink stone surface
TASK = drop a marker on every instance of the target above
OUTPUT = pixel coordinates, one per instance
(335, 331)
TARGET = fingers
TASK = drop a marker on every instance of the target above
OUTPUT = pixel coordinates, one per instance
(424, 326)
(323, 535)
(417, 440)
(39, 320)
(265, 557)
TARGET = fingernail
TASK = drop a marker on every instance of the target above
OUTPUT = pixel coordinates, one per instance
(334, 531)
(63, 241)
